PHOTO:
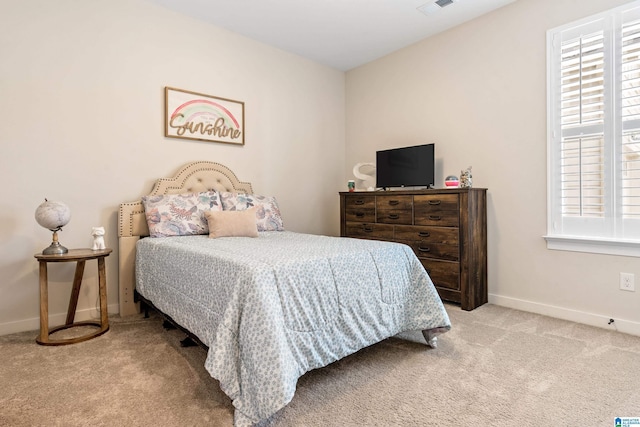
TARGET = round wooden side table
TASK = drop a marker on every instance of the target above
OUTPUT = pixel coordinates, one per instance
(80, 256)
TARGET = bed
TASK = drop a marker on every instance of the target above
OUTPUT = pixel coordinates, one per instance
(272, 307)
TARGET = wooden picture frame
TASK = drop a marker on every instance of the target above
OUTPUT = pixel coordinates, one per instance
(193, 115)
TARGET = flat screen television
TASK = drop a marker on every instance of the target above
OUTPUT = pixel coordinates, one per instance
(406, 167)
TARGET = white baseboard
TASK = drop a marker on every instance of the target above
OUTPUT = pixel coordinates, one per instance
(620, 325)
(56, 319)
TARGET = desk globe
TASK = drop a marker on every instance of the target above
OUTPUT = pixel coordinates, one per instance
(53, 216)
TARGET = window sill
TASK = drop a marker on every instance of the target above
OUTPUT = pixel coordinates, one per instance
(594, 245)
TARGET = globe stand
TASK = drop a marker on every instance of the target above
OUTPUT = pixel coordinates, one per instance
(55, 248)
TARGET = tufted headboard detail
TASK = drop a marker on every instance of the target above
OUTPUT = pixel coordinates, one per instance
(132, 224)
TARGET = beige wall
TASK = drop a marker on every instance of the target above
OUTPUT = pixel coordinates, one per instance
(81, 97)
(479, 92)
(81, 87)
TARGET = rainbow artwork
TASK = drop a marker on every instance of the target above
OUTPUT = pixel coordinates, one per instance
(196, 116)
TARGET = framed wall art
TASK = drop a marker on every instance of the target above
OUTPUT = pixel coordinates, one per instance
(192, 115)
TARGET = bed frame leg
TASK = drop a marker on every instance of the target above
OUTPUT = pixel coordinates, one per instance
(188, 342)
(168, 325)
(143, 303)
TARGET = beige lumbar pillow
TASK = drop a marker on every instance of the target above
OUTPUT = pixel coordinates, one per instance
(232, 223)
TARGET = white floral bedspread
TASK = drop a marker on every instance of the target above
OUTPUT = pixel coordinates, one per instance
(274, 307)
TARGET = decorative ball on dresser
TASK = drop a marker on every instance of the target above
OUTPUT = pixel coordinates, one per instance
(451, 181)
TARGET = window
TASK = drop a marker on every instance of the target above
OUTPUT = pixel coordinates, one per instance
(593, 97)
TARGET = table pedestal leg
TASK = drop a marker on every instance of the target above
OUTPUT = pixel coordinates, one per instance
(102, 285)
(44, 304)
(75, 291)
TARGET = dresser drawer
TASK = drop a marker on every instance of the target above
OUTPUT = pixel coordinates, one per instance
(437, 209)
(446, 235)
(435, 250)
(394, 216)
(394, 202)
(360, 214)
(369, 230)
(358, 201)
(444, 274)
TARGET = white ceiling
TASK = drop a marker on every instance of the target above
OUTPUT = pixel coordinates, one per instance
(342, 34)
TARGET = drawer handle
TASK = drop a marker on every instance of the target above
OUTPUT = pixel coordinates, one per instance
(367, 229)
(394, 202)
(435, 202)
(424, 234)
(359, 214)
(421, 249)
(359, 202)
(435, 217)
(393, 216)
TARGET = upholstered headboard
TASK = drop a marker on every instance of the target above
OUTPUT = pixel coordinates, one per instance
(132, 224)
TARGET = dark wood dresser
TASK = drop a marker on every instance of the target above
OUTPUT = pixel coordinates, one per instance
(447, 229)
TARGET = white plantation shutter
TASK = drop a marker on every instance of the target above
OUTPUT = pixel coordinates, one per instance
(594, 131)
(582, 125)
(630, 106)
(582, 176)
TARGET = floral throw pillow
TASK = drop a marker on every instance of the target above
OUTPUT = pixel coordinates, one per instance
(179, 214)
(268, 216)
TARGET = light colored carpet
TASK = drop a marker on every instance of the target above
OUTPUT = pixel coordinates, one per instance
(496, 367)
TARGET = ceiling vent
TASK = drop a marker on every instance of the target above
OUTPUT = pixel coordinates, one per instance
(432, 7)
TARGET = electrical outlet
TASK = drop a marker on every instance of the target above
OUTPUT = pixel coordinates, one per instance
(626, 282)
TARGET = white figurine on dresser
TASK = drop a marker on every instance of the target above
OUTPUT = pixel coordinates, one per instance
(98, 238)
